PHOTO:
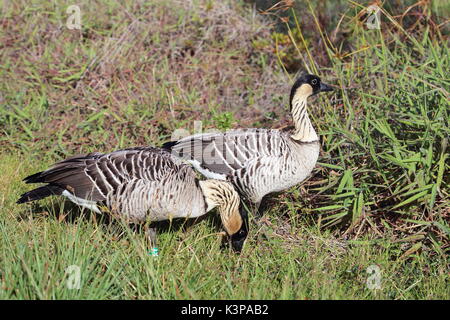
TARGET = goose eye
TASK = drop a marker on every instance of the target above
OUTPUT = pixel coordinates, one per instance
(314, 81)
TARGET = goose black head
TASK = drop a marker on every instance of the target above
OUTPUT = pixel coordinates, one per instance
(308, 85)
(238, 238)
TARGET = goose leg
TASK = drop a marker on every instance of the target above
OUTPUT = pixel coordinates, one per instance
(261, 207)
(151, 236)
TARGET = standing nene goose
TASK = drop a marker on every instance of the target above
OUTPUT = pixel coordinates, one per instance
(259, 161)
(141, 184)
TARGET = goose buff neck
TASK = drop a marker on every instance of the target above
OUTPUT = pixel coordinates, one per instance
(304, 130)
(305, 86)
(223, 195)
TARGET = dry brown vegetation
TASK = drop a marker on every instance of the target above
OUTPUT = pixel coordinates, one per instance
(138, 59)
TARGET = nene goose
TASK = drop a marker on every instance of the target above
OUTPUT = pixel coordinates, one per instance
(141, 184)
(259, 161)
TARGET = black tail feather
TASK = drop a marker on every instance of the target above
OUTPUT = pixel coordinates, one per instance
(40, 193)
(34, 178)
(168, 145)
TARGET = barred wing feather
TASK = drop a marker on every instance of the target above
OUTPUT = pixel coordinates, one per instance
(225, 153)
(92, 176)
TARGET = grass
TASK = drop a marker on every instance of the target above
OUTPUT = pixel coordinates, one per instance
(136, 72)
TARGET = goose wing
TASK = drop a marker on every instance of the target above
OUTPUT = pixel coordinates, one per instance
(92, 176)
(218, 155)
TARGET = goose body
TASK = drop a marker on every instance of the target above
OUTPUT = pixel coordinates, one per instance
(256, 161)
(140, 184)
(259, 161)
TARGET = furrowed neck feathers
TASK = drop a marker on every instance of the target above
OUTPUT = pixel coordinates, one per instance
(304, 130)
(221, 194)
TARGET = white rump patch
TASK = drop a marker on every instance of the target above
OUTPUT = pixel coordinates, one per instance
(91, 205)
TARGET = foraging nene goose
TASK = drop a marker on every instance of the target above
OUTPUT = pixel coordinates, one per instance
(141, 184)
(259, 161)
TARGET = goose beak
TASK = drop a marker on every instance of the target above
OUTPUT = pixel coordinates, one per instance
(325, 87)
(237, 244)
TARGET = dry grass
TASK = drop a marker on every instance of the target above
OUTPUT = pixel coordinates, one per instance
(157, 60)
